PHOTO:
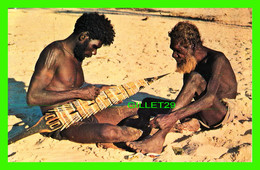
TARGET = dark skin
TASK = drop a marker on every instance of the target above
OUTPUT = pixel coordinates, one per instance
(212, 80)
(57, 79)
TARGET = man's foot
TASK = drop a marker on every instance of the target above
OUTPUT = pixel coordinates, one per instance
(150, 145)
(191, 125)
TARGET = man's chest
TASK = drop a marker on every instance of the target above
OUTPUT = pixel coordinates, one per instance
(204, 68)
(70, 75)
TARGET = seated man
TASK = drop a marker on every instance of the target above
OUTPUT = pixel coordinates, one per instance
(58, 78)
(208, 79)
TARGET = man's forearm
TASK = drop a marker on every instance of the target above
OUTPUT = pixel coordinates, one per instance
(201, 104)
(46, 98)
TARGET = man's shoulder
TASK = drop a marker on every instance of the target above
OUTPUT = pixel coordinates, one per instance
(217, 55)
(50, 55)
(53, 51)
(55, 46)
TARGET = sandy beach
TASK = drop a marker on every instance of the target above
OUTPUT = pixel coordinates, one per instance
(140, 50)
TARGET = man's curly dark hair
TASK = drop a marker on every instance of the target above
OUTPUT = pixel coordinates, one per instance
(186, 33)
(97, 26)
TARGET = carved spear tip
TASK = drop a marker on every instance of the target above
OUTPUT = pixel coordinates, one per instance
(162, 76)
(152, 79)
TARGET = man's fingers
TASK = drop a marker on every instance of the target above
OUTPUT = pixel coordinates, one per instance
(97, 92)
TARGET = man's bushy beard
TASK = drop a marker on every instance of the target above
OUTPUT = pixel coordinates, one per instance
(187, 65)
(79, 50)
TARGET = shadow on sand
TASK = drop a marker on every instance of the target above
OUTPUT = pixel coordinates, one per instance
(18, 107)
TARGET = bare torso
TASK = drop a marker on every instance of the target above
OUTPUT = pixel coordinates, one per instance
(64, 70)
(227, 82)
(68, 75)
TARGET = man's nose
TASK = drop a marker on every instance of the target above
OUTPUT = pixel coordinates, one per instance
(174, 55)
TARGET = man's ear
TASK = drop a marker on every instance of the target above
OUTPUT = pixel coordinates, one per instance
(83, 36)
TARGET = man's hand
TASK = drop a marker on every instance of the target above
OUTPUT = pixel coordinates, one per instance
(163, 121)
(89, 92)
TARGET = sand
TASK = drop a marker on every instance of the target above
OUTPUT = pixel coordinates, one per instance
(141, 49)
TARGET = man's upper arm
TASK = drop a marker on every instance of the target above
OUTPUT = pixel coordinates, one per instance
(43, 74)
(217, 71)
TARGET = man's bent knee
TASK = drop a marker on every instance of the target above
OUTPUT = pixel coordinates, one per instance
(195, 76)
(110, 133)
